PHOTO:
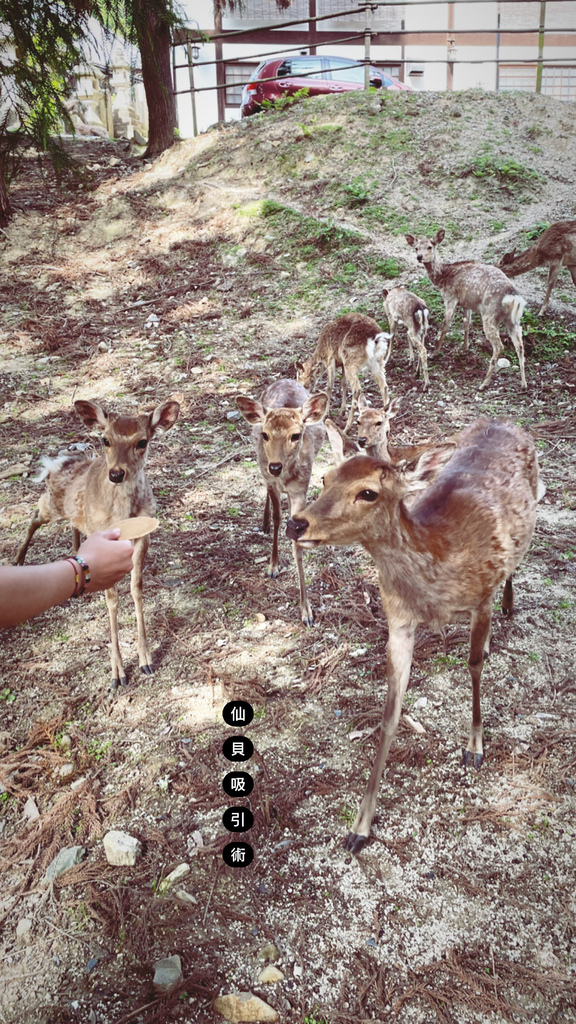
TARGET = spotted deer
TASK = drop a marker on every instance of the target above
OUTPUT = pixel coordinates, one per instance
(444, 553)
(288, 434)
(555, 247)
(352, 341)
(94, 494)
(404, 307)
(479, 288)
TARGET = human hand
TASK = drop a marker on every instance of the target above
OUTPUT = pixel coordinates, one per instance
(109, 559)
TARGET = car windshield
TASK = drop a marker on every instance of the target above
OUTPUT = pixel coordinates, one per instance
(301, 66)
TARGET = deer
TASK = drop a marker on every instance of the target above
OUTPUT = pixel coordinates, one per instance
(352, 341)
(404, 307)
(288, 435)
(555, 247)
(441, 554)
(479, 288)
(95, 494)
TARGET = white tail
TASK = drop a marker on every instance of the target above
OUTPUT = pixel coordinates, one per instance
(479, 288)
(351, 341)
(94, 494)
(444, 553)
(288, 434)
(556, 247)
(404, 307)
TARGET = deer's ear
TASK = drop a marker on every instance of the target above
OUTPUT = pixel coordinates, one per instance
(92, 414)
(165, 416)
(315, 407)
(428, 466)
(362, 402)
(385, 290)
(410, 239)
(299, 366)
(440, 234)
(251, 410)
(394, 408)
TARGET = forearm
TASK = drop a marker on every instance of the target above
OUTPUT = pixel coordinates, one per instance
(28, 590)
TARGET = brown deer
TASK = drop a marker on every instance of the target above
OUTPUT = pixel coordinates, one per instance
(94, 494)
(444, 554)
(556, 247)
(479, 288)
(404, 307)
(351, 341)
(288, 434)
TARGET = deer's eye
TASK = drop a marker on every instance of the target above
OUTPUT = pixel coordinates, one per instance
(105, 442)
(264, 436)
(142, 444)
(367, 496)
(296, 437)
(379, 424)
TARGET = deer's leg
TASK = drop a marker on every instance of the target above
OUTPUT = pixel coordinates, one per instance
(36, 523)
(274, 562)
(330, 375)
(508, 597)
(266, 519)
(118, 672)
(515, 334)
(306, 613)
(77, 539)
(356, 389)
(399, 660)
(467, 321)
(572, 271)
(379, 374)
(422, 358)
(493, 335)
(140, 551)
(449, 310)
(480, 623)
(552, 278)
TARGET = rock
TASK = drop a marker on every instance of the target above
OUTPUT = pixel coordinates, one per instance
(120, 848)
(64, 859)
(298, 971)
(113, 161)
(234, 415)
(174, 876)
(420, 703)
(139, 139)
(66, 770)
(260, 617)
(65, 739)
(243, 1006)
(269, 952)
(30, 810)
(167, 974)
(103, 347)
(77, 782)
(503, 364)
(270, 975)
(24, 930)
(186, 897)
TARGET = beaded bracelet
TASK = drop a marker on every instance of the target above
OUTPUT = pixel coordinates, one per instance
(79, 590)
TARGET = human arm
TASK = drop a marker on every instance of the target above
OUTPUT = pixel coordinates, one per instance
(28, 590)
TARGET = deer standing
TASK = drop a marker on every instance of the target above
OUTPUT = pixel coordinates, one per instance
(404, 307)
(443, 555)
(556, 247)
(351, 341)
(479, 288)
(288, 435)
(94, 494)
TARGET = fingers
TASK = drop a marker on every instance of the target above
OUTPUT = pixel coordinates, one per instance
(109, 559)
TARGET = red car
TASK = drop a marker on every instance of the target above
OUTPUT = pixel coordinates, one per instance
(319, 74)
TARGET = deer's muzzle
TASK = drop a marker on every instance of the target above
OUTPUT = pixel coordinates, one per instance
(275, 468)
(362, 441)
(295, 528)
(116, 476)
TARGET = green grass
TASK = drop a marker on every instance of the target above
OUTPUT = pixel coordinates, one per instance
(549, 337)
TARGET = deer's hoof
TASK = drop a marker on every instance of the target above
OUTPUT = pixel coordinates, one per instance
(273, 574)
(308, 620)
(118, 681)
(148, 670)
(478, 761)
(466, 758)
(355, 843)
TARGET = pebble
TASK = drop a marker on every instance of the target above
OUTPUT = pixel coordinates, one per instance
(167, 974)
(244, 1006)
(420, 703)
(103, 347)
(64, 859)
(30, 809)
(66, 770)
(270, 975)
(174, 876)
(120, 848)
(269, 952)
(24, 929)
(503, 363)
(234, 415)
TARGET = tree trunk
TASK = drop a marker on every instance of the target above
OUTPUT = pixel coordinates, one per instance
(4, 201)
(154, 44)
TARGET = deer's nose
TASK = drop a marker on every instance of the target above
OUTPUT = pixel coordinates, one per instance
(419, 257)
(295, 528)
(275, 468)
(116, 476)
(362, 441)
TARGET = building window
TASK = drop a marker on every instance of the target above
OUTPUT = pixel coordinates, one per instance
(236, 75)
(557, 81)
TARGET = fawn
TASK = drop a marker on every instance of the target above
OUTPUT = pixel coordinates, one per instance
(556, 246)
(351, 341)
(94, 494)
(443, 554)
(479, 288)
(288, 434)
(404, 307)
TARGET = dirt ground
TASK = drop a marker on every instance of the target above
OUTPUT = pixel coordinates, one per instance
(199, 277)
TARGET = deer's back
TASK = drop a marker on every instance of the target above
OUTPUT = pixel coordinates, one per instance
(284, 394)
(476, 286)
(558, 240)
(345, 336)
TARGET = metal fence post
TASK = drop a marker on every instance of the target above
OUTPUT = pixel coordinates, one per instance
(367, 38)
(192, 88)
(541, 39)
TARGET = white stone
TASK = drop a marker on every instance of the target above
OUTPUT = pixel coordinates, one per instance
(120, 848)
(174, 876)
(270, 975)
(167, 973)
(503, 364)
(23, 929)
(243, 1006)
